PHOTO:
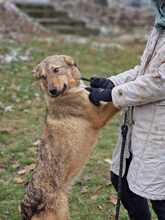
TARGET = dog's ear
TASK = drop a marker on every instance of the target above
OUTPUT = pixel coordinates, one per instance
(69, 60)
(39, 71)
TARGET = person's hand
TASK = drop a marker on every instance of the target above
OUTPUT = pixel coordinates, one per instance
(97, 95)
(97, 82)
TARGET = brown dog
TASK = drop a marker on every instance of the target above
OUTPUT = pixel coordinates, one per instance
(71, 129)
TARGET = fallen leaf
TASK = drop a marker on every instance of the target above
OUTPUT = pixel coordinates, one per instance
(109, 161)
(100, 207)
(21, 172)
(26, 169)
(26, 110)
(108, 182)
(96, 193)
(16, 165)
(6, 130)
(84, 189)
(86, 178)
(37, 94)
(113, 199)
(32, 150)
(2, 170)
(19, 209)
(36, 143)
(18, 180)
(2, 166)
(94, 197)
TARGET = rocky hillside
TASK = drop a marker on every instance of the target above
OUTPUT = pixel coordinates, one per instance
(80, 17)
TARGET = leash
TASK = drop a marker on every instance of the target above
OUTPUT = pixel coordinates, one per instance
(85, 79)
(124, 131)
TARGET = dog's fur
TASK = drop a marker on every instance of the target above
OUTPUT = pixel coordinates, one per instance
(71, 129)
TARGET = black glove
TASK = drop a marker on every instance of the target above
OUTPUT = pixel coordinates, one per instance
(97, 94)
(103, 83)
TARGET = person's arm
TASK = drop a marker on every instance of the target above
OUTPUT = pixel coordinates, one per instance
(101, 88)
(124, 77)
(109, 83)
(144, 89)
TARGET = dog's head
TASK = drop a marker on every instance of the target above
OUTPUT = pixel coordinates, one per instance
(57, 74)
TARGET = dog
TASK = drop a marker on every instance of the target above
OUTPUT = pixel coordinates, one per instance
(72, 125)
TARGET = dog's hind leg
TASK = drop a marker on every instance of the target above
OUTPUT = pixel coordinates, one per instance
(59, 212)
(62, 207)
(33, 202)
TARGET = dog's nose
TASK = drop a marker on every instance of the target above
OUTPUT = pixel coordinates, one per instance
(54, 92)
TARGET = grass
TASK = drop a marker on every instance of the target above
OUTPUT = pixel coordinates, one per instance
(22, 113)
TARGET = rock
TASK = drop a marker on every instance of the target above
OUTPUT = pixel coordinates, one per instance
(8, 108)
(15, 55)
(103, 46)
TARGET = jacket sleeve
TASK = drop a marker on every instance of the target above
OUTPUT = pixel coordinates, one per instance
(144, 89)
(124, 77)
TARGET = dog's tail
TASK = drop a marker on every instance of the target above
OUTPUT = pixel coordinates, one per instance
(33, 202)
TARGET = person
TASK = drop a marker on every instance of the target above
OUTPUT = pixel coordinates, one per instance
(141, 92)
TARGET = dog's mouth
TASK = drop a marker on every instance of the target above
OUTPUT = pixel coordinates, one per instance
(56, 93)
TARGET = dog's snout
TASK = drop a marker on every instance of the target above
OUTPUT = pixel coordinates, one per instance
(54, 92)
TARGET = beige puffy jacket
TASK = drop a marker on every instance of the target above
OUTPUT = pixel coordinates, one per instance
(144, 88)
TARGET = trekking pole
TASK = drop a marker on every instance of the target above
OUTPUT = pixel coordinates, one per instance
(124, 131)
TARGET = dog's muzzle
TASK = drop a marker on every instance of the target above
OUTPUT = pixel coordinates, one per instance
(55, 93)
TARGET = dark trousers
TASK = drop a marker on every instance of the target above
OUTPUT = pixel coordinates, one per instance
(137, 206)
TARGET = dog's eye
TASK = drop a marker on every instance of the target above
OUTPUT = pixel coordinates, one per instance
(56, 70)
(75, 65)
